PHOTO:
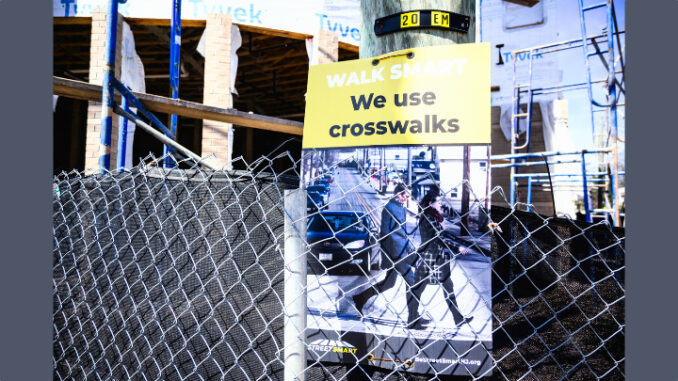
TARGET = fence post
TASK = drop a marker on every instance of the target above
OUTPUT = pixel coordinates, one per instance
(295, 285)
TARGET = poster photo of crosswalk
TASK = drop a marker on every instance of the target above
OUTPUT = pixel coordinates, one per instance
(397, 260)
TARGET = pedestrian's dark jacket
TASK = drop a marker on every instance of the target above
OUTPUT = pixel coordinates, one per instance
(431, 232)
(393, 234)
(434, 254)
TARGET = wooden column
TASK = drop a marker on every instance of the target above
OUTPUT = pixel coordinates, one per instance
(217, 136)
(76, 139)
(249, 145)
(97, 64)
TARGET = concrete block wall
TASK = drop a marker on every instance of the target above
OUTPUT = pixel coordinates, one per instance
(97, 64)
(217, 136)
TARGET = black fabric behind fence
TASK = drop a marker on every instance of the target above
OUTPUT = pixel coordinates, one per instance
(168, 277)
(178, 275)
(558, 297)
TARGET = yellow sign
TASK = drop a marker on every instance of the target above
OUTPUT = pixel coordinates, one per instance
(409, 19)
(440, 19)
(440, 95)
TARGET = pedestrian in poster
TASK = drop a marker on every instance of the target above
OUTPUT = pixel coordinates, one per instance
(434, 260)
(397, 247)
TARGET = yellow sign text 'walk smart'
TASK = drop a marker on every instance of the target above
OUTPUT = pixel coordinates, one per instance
(438, 95)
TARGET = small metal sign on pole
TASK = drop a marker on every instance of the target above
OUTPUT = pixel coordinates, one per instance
(425, 18)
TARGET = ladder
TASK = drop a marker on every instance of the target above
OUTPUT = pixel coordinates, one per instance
(608, 58)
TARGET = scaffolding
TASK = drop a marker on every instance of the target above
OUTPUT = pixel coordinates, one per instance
(113, 89)
(606, 179)
(295, 357)
(111, 84)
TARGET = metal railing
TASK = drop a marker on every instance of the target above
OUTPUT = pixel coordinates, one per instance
(541, 159)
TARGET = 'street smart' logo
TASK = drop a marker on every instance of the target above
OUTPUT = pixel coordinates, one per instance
(325, 345)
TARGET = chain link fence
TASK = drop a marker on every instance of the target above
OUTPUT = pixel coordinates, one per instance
(169, 274)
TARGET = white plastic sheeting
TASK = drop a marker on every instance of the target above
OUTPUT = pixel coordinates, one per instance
(518, 16)
(132, 75)
(505, 121)
(557, 138)
(519, 27)
(301, 16)
(309, 50)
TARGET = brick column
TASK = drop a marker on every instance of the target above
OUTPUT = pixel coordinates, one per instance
(325, 47)
(325, 50)
(97, 63)
(217, 136)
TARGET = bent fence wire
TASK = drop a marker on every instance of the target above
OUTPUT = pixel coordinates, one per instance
(169, 274)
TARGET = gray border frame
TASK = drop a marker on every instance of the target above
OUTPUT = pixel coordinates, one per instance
(26, 254)
(651, 82)
(25, 268)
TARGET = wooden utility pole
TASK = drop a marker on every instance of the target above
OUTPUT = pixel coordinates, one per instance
(372, 45)
(465, 194)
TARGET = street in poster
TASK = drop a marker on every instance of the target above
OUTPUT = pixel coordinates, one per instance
(399, 272)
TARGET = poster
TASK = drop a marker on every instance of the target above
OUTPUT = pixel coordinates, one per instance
(397, 276)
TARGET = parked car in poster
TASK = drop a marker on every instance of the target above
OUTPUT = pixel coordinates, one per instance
(341, 242)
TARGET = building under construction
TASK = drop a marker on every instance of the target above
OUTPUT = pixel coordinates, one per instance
(182, 248)
(224, 84)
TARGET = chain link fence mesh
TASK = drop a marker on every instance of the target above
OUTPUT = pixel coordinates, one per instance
(169, 274)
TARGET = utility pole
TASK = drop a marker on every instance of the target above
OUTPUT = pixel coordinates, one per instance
(372, 45)
(465, 194)
(382, 162)
(409, 167)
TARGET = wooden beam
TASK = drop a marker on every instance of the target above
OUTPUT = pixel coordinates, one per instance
(71, 54)
(283, 56)
(73, 44)
(282, 85)
(132, 21)
(273, 32)
(201, 24)
(81, 90)
(281, 78)
(72, 21)
(249, 61)
(185, 23)
(527, 3)
(349, 47)
(272, 44)
(303, 63)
